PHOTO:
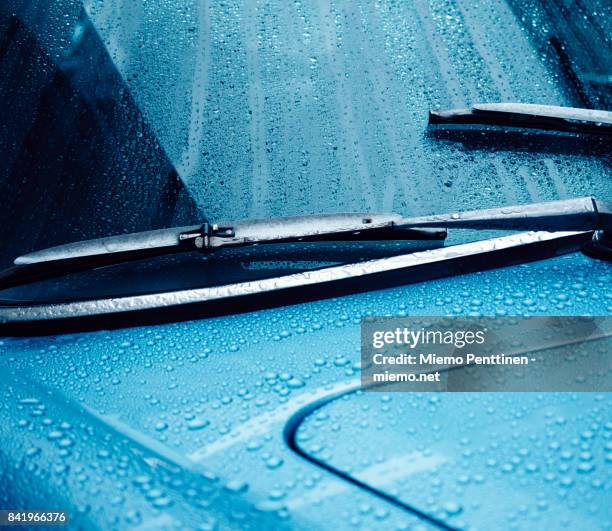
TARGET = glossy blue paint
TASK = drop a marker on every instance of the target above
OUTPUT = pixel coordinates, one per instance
(215, 395)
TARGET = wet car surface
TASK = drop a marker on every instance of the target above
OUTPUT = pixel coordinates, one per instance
(513, 461)
(275, 108)
(217, 396)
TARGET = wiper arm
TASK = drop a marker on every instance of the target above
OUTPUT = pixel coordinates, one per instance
(582, 214)
(549, 117)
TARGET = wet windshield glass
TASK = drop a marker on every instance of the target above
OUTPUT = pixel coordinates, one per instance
(133, 115)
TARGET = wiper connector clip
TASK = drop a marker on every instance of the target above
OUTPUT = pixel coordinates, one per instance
(200, 239)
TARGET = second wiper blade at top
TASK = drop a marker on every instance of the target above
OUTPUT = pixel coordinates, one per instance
(549, 117)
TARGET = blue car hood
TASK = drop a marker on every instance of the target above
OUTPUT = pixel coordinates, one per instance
(169, 412)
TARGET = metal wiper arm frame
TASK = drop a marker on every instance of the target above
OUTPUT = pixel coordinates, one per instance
(581, 214)
(549, 117)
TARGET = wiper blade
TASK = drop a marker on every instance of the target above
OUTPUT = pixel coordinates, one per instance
(549, 117)
(207, 238)
(211, 237)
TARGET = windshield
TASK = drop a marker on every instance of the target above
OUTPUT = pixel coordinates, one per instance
(136, 115)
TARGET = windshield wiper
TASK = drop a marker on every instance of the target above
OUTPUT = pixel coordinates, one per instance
(555, 228)
(207, 238)
(583, 214)
(548, 117)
